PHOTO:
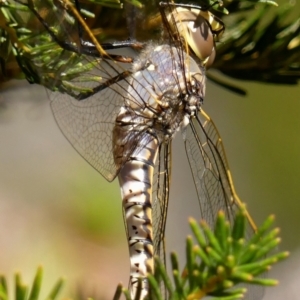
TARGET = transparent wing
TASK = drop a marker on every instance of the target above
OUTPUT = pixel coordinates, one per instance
(89, 124)
(210, 170)
(212, 178)
(88, 87)
(87, 119)
(160, 198)
(160, 201)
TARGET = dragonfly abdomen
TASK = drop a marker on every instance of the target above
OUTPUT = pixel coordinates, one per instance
(136, 180)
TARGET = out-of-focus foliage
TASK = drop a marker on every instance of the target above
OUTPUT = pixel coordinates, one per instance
(262, 45)
(261, 42)
(23, 292)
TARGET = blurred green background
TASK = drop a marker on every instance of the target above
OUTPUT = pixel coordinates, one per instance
(57, 211)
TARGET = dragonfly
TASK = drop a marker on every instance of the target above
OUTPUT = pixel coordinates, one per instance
(121, 114)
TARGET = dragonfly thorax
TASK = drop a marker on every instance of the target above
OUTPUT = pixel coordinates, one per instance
(165, 90)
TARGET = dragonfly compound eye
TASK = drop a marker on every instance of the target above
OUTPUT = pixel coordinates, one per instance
(196, 31)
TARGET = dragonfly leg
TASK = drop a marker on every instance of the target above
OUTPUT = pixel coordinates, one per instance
(90, 48)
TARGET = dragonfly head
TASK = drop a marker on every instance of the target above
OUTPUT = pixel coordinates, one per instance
(200, 29)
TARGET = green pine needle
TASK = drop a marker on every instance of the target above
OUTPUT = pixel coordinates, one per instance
(21, 290)
(208, 271)
(212, 272)
(260, 43)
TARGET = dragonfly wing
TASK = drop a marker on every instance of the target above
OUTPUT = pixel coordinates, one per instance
(89, 98)
(210, 170)
(206, 158)
(86, 91)
(88, 125)
(160, 199)
(212, 178)
(161, 185)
